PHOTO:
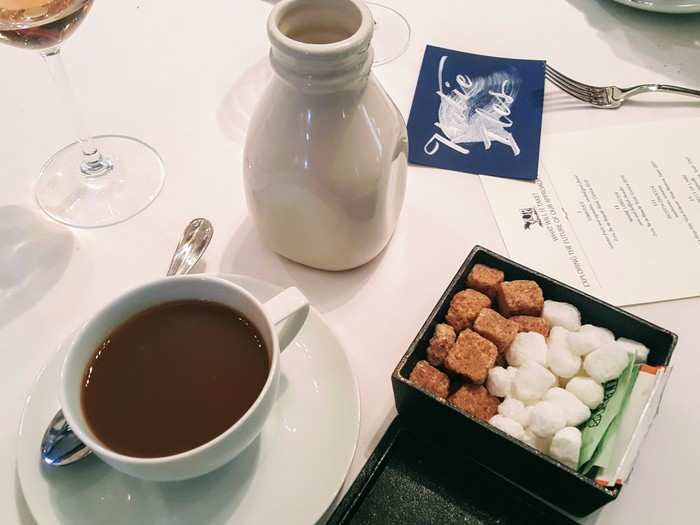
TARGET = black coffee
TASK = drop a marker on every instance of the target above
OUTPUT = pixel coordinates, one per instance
(173, 377)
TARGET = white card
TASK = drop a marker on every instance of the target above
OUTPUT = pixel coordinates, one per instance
(615, 212)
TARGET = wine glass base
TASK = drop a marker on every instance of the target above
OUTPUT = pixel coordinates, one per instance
(392, 33)
(133, 183)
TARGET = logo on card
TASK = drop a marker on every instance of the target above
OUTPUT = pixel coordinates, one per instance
(530, 218)
(477, 114)
(476, 110)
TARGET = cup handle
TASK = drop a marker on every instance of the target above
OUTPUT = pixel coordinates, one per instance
(281, 307)
(285, 304)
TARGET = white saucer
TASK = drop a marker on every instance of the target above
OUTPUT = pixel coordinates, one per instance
(290, 474)
(665, 6)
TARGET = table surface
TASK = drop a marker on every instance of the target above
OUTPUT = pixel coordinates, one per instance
(154, 70)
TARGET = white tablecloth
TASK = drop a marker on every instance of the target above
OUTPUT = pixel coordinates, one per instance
(181, 76)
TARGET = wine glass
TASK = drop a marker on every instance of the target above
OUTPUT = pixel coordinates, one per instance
(96, 181)
(392, 33)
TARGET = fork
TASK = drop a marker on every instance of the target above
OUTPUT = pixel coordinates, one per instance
(608, 97)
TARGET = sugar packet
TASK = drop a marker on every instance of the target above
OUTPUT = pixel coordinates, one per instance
(595, 429)
(634, 423)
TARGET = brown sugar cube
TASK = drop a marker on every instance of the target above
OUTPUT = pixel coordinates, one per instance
(441, 342)
(430, 379)
(485, 279)
(520, 298)
(464, 308)
(527, 323)
(471, 356)
(496, 328)
(476, 400)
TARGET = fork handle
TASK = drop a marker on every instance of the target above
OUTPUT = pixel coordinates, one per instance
(659, 88)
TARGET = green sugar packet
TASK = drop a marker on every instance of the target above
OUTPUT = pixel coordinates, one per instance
(606, 448)
(603, 451)
(595, 430)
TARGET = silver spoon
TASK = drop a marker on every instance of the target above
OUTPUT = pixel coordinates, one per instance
(60, 446)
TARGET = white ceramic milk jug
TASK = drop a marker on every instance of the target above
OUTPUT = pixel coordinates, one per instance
(326, 150)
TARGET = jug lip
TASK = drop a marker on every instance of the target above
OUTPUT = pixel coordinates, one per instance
(357, 43)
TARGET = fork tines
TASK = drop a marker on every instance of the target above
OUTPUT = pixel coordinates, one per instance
(591, 94)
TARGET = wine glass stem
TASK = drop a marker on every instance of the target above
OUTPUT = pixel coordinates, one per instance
(93, 164)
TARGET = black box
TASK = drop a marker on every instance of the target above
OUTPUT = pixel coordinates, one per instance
(535, 472)
(404, 483)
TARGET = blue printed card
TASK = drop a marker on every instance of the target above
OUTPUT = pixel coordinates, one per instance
(477, 114)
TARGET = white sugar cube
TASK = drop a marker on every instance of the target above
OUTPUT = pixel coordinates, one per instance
(582, 343)
(527, 346)
(603, 334)
(558, 335)
(529, 437)
(565, 381)
(561, 361)
(528, 416)
(499, 381)
(640, 352)
(515, 410)
(508, 426)
(562, 314)
(541, 444)
(607, 362)
(531, 382)
(574, 409)
(566, 446)
(547, 419)
(587, 390)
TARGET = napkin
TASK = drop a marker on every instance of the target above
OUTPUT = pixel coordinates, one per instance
(477, 114)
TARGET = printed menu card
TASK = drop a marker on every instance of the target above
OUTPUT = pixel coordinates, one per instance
(614, 212)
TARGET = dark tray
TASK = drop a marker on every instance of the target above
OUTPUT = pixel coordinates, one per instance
(520, 464)
(411, 479)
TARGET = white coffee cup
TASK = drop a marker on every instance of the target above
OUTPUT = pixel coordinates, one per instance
(224, 447)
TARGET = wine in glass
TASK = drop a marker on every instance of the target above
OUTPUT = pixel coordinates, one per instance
(96, 181)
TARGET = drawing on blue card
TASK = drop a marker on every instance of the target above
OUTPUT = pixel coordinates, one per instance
(477, 114)
(474, 110)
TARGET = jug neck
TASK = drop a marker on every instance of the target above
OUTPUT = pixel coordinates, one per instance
(321, 46)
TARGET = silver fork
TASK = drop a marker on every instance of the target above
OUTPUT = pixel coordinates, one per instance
(608, 97)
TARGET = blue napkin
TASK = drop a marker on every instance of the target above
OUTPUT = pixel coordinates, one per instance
(477, 114)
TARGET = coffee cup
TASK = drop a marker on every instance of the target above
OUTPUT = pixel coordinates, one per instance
(225, 446)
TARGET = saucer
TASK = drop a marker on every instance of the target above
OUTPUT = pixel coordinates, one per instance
(290, 474)
(665, 6)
